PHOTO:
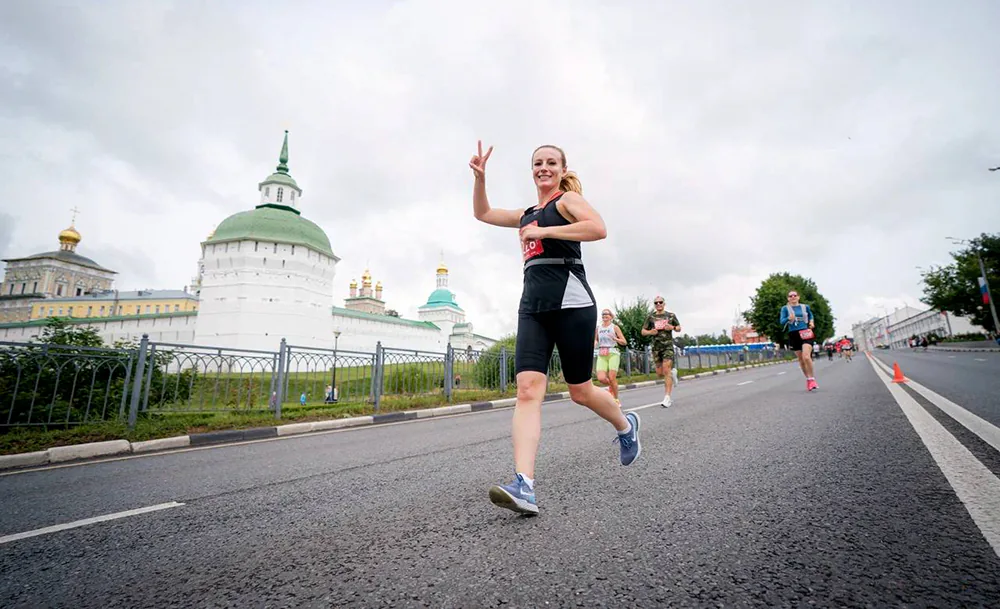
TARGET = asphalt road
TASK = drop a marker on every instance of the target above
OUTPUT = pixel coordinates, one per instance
(746, 494)
(970, 379)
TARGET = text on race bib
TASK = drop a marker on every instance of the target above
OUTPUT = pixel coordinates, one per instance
(605, 350)
(660, 324)
(531, 247)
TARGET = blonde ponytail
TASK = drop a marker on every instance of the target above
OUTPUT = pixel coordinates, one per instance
(571, 183)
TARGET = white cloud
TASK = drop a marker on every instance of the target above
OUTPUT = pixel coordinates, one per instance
(842, 143)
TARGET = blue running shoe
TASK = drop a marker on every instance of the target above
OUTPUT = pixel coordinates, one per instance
(630, 442)
(515, 496)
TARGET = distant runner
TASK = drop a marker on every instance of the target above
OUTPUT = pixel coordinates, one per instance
(797, 320)
(661, 325)
(607, 339)
(846, 348)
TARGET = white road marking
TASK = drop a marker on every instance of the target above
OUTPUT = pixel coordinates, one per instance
(88, 521)
(780, 373)
(979, 359)
(642, 407)
(743, 383)
(952, 356)
(984, 429)
(976, 486)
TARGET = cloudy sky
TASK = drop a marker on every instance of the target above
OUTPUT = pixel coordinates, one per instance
(840, 140)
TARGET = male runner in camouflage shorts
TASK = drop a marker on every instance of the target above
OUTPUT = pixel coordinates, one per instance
(661, 325)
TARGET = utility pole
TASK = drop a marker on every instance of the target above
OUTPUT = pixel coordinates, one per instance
(986, 282)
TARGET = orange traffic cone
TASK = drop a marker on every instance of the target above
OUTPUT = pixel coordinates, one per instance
(897, 374)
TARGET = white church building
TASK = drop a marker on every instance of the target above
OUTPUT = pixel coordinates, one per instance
(268, 273)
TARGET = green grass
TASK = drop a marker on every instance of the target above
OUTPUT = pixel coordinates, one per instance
(165, 425)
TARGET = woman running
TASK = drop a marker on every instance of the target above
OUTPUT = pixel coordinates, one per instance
(797, 320)
(557, 308)
(607, 338)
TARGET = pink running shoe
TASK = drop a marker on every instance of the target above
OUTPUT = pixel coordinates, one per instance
(811, 385)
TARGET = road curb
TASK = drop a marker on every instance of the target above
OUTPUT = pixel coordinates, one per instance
(74, 452)
(967, 349)
(93, 450)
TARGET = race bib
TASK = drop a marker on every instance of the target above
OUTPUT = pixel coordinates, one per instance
(604, 350)
(660, 324)
(806, 334)
(531, 247)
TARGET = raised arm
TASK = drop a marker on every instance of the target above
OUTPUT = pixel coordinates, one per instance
(509, 218)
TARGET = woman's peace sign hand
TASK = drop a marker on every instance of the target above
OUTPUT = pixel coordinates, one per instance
(478, 162)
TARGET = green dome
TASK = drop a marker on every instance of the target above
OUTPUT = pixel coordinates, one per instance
(275, 223)
(441, 297)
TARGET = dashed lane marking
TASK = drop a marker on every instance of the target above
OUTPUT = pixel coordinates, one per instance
(88, 521)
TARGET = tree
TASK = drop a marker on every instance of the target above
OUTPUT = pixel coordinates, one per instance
(955, 288)
(710, 339)
(630, 318)
(765, 306)
(487, 370)
(58, 331)
(683, 341)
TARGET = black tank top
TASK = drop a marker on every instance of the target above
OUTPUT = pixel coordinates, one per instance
(550, 287)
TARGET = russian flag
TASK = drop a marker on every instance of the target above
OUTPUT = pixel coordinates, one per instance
(982, 290)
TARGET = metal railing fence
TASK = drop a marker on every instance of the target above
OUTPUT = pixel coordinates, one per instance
(60, 385)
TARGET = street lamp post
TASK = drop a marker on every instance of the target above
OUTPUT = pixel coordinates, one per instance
(333, 386)
(986, 282)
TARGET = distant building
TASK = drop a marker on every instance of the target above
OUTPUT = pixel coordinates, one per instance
(56, 274)
(263, 274)
(112, 303)
(894, 329)
(747, 334)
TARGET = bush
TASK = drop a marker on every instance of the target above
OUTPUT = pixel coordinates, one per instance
(965, 338)
(412, 378)
(487, 369)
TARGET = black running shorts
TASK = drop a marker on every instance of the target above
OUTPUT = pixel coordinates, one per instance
(795, 341)
(571, 330)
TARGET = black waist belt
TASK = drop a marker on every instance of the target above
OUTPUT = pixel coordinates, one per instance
(552, 261)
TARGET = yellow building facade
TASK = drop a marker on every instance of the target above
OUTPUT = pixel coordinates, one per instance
(113, 303)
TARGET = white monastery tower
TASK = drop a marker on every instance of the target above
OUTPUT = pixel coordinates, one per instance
(267, 274)
(441, 308)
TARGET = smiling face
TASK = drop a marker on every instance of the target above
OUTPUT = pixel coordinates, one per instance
(793, 298)
(658, 303)
(606, 316)
(548, 166)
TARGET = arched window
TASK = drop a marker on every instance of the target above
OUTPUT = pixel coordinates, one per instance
(267, 191)
(281, 194)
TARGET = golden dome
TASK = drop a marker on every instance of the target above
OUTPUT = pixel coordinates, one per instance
(378, 285)
(354, 283)
(442, 269)
(69, 236)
